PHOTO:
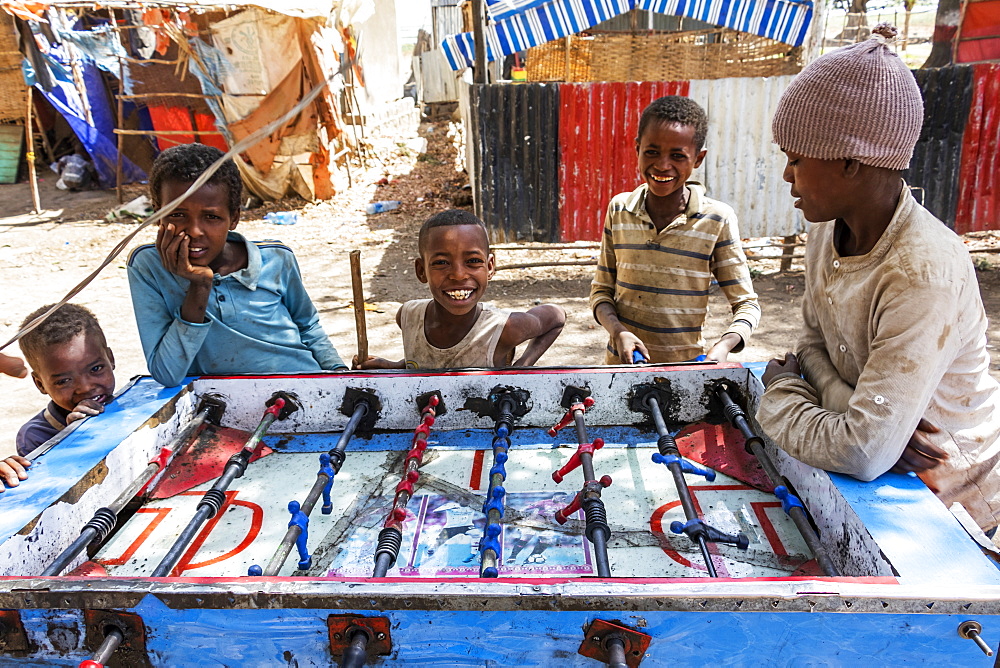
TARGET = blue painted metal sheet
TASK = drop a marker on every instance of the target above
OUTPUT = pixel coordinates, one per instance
(53, 474)
(284, 636)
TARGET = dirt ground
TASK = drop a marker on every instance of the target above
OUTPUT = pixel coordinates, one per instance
(43, 256)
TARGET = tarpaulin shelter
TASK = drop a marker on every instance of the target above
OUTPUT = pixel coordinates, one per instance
(198, 71)
(978, 36)
(517, 25)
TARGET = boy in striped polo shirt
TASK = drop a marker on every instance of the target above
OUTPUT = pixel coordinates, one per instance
(662, 244)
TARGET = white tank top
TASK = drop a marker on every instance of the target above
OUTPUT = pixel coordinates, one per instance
(475, 350)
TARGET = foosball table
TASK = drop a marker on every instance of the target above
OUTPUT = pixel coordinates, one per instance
(623, 516)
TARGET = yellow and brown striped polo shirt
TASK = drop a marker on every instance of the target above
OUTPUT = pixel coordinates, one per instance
(658, 282)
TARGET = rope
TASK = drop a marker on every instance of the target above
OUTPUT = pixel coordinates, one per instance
(239, 147)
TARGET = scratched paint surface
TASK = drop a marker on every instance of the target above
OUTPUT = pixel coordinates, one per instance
(445, 519)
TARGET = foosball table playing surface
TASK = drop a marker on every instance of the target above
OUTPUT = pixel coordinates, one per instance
(533, 517)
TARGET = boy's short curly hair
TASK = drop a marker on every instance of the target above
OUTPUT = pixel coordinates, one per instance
(676, 109)
(185, 163)
(446, 219)
(60, 327)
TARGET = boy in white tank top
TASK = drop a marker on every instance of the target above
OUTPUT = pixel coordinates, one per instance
(452, 329)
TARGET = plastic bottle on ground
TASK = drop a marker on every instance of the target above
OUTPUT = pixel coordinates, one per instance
(379, 207)
(282, 217)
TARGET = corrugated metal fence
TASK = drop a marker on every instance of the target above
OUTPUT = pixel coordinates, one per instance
(598, 123)
(549, 157)
(516, 160)
(979, 185)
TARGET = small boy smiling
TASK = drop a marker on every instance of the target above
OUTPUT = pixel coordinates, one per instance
(454, 330)
(662, 244)
(72, 364)
(206, 300)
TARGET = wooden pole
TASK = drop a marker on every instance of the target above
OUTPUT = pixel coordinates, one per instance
(359, 306)
(787, 256)
(121, 137)
(479, 34)
(30, 156)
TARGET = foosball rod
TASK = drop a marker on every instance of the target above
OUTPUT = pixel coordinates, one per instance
(332, 461)
(792, 506)
(105, 519)
(279, 407)
(687, 503)
(390, 539)
(589, 497)
(489, 560)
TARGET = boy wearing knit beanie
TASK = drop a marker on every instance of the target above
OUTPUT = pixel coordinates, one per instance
(893, 349)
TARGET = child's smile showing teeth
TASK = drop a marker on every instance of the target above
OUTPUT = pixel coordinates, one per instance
(459, 295)
(661, 179)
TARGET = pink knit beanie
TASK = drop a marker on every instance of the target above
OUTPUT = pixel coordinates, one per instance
(858, 102)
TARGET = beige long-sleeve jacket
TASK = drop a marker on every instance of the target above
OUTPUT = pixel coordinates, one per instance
(890, 337)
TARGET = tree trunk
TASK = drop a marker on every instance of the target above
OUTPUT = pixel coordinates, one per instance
(945, 25)
(906, 27)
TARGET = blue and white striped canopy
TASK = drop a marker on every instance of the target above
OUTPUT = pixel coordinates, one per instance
(521, 24)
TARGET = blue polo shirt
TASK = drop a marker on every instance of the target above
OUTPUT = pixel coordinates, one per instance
(259, 319)
(40, 428)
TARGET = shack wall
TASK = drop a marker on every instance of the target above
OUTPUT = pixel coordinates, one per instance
(955, 163)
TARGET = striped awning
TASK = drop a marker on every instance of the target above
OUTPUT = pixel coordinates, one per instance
(521, 24)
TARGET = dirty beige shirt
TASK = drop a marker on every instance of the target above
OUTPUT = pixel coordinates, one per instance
(890, 337)
(476, 349)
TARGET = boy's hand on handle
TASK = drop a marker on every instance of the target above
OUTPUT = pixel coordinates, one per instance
(720, 351)
(173, 247)
(12, 366)
(377, 363)
(626, 342)
(776, 366)
(920, 454)
(85, 408)
(13, 470)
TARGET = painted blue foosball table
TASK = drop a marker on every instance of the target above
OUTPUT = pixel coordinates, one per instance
(617, 516)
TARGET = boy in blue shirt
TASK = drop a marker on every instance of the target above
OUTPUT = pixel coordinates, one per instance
(206, 300)
(72, 364)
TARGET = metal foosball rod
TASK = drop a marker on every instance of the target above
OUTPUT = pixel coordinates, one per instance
(589, 497)
(105, 519)
(113, 638)
(669, 454)
(330, 464)
(506, 402)
(791, 504)
(279, 407)
(391, 537)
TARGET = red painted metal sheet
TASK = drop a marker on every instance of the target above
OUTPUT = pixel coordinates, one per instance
(205, 460)
(979, 181)
(597, 128)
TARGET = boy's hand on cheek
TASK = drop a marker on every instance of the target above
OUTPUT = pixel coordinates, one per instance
(174, 247)
(85, 408)
(13, 470)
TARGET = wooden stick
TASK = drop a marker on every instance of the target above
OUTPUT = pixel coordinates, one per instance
(359, 306)
(30, 155)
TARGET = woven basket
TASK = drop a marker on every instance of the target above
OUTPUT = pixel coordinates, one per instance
(651, 56)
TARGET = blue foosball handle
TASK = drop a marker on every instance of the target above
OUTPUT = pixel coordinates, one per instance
(638, 357)
(686, 466)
